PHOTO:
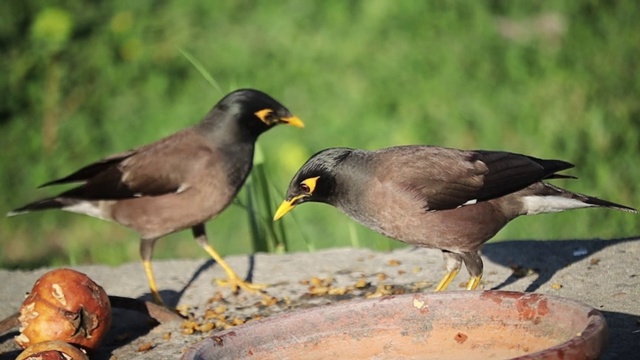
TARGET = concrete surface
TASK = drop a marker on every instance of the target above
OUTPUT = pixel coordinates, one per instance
(602, 273)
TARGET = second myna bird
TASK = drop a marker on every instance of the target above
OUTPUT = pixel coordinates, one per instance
(448, 199)
(178, 182)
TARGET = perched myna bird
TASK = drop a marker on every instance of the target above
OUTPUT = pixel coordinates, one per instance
(178, 182)
(434, 197)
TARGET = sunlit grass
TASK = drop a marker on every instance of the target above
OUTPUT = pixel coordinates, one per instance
(550, 79)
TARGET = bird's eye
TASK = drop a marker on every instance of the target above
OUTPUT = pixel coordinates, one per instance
(308, 186)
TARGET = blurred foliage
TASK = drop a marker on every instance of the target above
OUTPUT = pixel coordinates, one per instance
(82, 80)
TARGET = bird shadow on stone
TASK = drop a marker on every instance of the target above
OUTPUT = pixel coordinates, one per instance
(623, 335)
(172, 297)
(131, 325)
(544, 258)
(176, 296)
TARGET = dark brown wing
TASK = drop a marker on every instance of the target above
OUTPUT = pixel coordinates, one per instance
(92, 170)
(163, 167)
(447, 178)
(509, 172)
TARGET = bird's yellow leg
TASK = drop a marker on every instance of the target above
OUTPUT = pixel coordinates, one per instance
(446, 279)
(152, 283)
(474, 282)
(234, 281)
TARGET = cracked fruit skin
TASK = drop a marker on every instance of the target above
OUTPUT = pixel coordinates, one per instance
(52, 350)
(65, 305)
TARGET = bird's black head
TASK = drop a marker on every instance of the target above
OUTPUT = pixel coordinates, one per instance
(315, 181)
(249, 111)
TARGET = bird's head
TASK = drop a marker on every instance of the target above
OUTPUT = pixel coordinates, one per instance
(250, 110)
(316, 180)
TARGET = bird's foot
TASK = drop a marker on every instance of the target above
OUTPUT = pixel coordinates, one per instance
(236, 284)
(446, 279)
(474, 282)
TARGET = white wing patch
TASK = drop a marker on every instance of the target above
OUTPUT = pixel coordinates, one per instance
(91, 208)
(183, 187)
(544, 204)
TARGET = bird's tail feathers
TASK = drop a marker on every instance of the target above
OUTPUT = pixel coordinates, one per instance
(604, 203)
(44, 204)
(544, 198)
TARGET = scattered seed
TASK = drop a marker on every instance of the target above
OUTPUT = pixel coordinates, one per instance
(220, 309)
(520, 271)
(381, 290)
(217, 297)
(237, 321)
(318, 290)
(362, 283)
(337, 291)
(145, 347)
(188, 327)
(183, 309)
(210, 314)
(208, 326)
(393, 262)
(269, 301)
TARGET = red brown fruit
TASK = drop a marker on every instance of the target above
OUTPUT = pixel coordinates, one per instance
(65, 305)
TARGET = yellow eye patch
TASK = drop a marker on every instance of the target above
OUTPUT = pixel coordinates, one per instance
(263, 115)
(309, 185)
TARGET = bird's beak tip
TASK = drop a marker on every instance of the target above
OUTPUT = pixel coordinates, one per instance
(294, 121)
(284, 208)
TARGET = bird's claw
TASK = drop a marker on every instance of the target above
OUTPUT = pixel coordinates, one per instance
(237, 284)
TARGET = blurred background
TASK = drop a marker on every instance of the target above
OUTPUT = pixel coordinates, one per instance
(81, 80)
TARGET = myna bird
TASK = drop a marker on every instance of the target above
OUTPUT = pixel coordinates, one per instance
(178, 182)
(434, 197)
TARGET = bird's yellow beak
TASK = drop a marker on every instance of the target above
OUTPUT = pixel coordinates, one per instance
(285, 207)
(293, 120)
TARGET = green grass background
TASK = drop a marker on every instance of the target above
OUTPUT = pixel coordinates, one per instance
(556, 79)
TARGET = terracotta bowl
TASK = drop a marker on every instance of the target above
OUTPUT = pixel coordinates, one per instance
(447, 325)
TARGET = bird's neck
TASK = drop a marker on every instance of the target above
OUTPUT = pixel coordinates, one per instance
(233, 141)
(238, 170)
(352, 171)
